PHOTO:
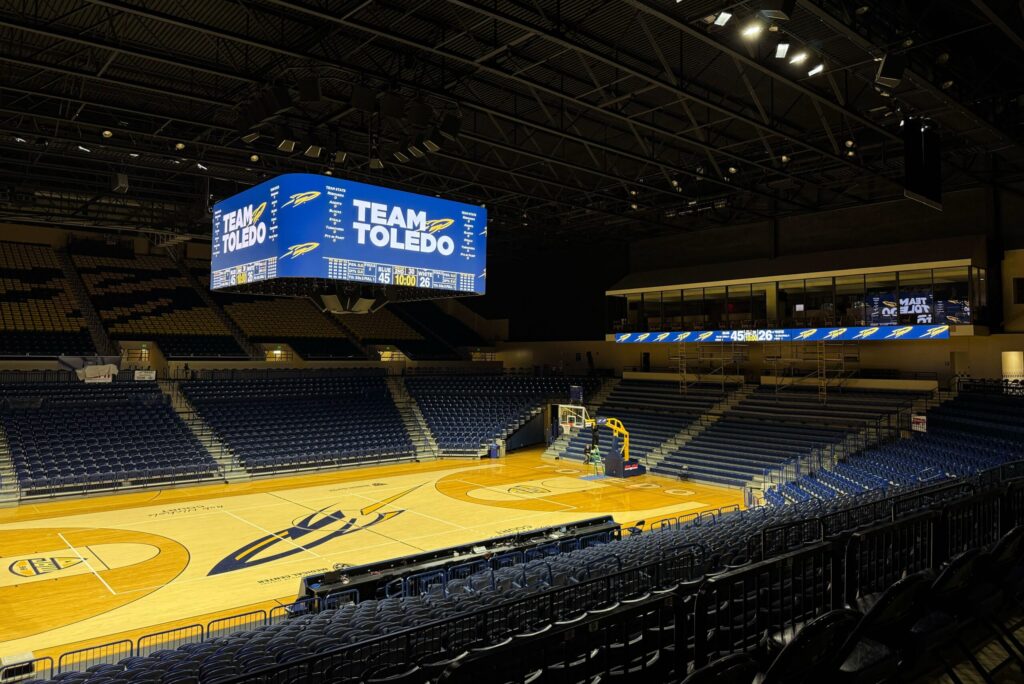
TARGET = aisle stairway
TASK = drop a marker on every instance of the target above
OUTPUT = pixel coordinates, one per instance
(9, 489)
(231, 468)
(100, 339)
(412, 417)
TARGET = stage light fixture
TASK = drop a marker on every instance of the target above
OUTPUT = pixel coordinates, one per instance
(19, 139)
(785, 159)
(799, 58)
(781, 50)
(329, 172)
(313, 151)
(633, 205)
(254, 157)
(723, 18)
(133, 155)
(340, 156)
(286, 141)
(399, 155)
(752, 30)
(415, 148)
(862, 10)
(201, 167)
(816, 70)
(675, 183)
(850, 143)
(851, 153)
(733, 170)
(107, 133)
(947, 84)
(431, 141)
(179, 146)
(376, 163)
(251, 137)
(83, 148)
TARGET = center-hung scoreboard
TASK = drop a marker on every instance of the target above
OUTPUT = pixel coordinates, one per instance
(299, 233)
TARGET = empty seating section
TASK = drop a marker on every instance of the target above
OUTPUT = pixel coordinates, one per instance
(652, 412)
(311, 421)
(380, 327)
(465, 413)
(149, 298)
(768, 429)
(70, 436)
(295, 322)
(384, 327)
(966, 435)
(432, 319)
(38, 316)
(729, 582)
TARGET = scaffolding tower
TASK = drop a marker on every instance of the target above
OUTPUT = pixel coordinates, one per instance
(823, 361)
(708, 362)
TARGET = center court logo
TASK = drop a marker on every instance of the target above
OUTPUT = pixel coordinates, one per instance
(308, 532)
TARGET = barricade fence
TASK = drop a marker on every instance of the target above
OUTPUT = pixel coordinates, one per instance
(801, 569)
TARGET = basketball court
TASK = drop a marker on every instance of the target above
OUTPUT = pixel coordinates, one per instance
(89, 571)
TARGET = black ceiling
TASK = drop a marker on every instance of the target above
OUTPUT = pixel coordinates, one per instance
(579, 119)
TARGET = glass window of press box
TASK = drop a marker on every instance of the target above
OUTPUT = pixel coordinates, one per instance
(951, 295)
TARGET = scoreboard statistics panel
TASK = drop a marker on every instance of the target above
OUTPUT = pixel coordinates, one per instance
(302, 225)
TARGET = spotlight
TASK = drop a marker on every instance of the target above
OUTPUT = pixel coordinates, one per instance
(851, 153)
(850, 143)
(329, 172)
(133, 155)
(313, 151)
(431, 140)
(799, 58)
(107, 133)
(415, 148)
(946, 85)
(251, 137)
(199, 165)
(733, 170)
(909, 42)
(781, 50)
(752, 30)
(723, 18)
(83, 148)
(816, 70)
(675, 183)
(340, 156)
(633, 205)
(375, 161)
(862, 10)
(179, 146)
(254, 157)
(784, 159)
(632, 193)
(399, 155)
(19, 139)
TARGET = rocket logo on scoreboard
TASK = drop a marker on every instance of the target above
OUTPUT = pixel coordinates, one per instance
(300, 249)
(300, 198)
